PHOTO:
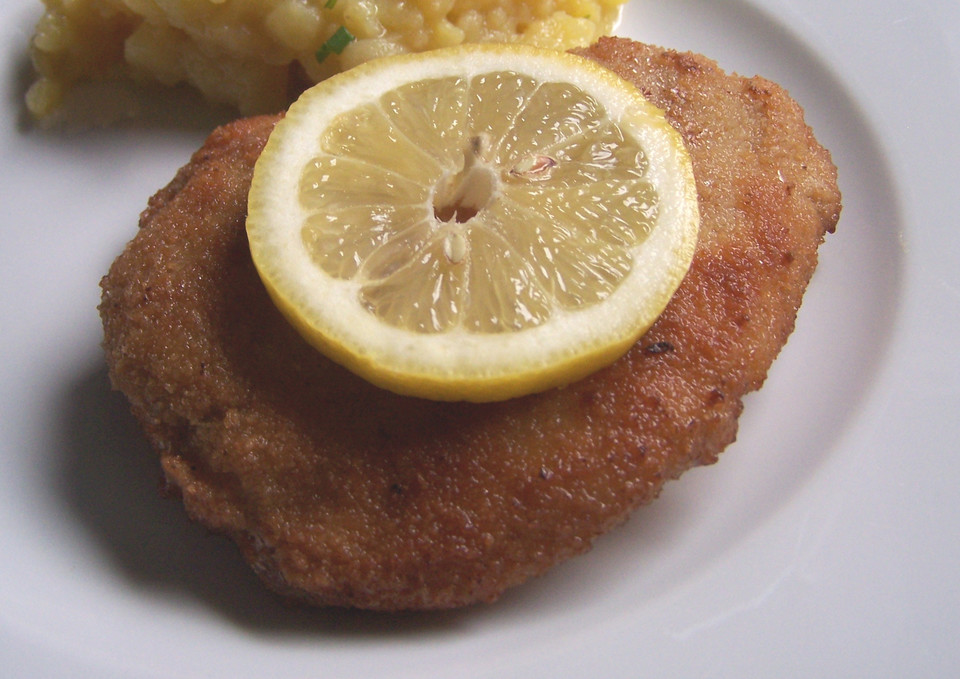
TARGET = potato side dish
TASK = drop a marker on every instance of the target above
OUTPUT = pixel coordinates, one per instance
(255, 54)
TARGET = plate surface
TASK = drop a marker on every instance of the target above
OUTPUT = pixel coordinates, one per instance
(824, 542)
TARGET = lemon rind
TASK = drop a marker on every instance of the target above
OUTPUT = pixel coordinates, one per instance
(527, 361)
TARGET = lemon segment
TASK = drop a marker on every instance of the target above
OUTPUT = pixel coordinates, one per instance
(474, 223)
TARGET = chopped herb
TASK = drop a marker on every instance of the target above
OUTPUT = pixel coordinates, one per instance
(335, 43)
(330, 4)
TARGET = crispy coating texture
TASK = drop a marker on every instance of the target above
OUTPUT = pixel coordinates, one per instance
(339, 493)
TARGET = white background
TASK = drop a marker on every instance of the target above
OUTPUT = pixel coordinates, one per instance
(826, 541)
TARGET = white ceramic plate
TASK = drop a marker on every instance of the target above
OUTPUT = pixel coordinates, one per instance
(824, 543)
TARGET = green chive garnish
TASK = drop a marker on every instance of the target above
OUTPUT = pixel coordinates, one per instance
(335, 43)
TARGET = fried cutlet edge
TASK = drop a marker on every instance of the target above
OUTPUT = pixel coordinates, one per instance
(209, 182)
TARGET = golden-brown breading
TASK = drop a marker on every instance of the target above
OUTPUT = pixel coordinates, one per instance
(340, 493)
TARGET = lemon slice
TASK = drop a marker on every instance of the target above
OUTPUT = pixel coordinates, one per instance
(473, 223)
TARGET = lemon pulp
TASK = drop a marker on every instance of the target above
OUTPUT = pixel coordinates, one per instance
(474, 223)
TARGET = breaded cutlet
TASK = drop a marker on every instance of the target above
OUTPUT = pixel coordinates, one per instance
(339, 493)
